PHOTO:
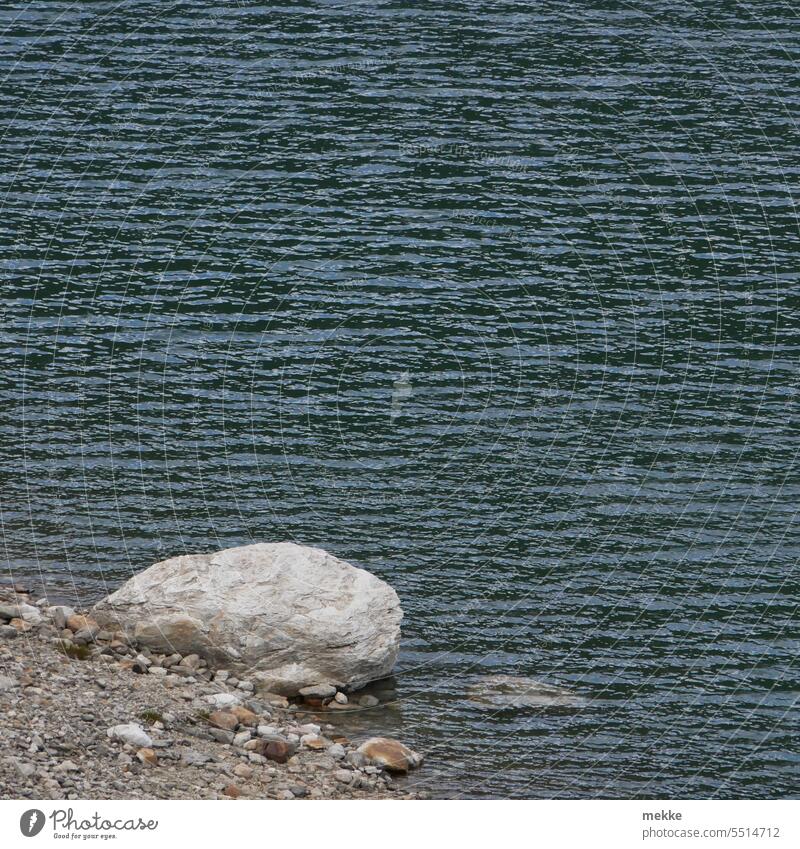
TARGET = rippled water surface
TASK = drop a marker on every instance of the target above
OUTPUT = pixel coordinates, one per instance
(497, 300)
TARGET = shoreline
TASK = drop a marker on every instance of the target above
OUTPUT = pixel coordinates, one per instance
(94, 716)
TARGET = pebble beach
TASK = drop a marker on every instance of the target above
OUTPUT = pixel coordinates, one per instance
(88, 714)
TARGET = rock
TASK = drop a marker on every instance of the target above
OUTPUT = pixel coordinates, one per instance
(8, 632)
(147, 756)
(130, 733)
(337, 751)
(318, 691)
(20, 625)
(224, 719)
(368, 701)
(513, 691)
(157, 670)
(232, 791)
(192, 757)
(274, 699)
(287, 615)
(268, 731)
(245, 716)
(84, 636)
(192, 661)
(25, 769)
(390, 754)
(76, 623)
(222, 736)
(340, 699)
(243, 771)
(357, 759)
(274, 750)
(344, 775)
(223, 700)
(242, 737)
(9, 611)
(7, 683)
(314, 741)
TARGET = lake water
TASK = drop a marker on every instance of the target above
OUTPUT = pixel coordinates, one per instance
(499, 301)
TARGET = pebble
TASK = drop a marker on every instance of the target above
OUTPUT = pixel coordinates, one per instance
(340, 699)
(130, 733)
(368, 701)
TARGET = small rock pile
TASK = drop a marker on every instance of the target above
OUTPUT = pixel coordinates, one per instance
(87, 713)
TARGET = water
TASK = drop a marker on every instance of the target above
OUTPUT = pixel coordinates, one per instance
(498, 301)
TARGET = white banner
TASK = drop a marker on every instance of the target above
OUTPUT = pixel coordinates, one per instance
(389, 824)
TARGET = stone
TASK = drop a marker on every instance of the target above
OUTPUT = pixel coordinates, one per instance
(20, 625)
(147, 756)
(232, 791)
(515, 691)
(318, 691)
(76, 622)
(130, 733)
(391, 754)
(368, 701)
(158, 671)
(242, 737)
(274, 750)
(9, 611)
(223, 700)
(357, 759)
(224, 719)
(84, 636)
(25, 769)
(245, 716)
(7, 683)
(337, 751)
(314, 741)
(267, 731)
(222, 736)
(8, 632)
(340, 699)
(287, 616)
(243, 771)
(192, 661)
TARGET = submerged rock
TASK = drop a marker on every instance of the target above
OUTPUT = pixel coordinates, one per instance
(288, 615)
(513, 691)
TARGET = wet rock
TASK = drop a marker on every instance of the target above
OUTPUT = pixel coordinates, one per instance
(368, 701)
(514, 691)
(390, 754)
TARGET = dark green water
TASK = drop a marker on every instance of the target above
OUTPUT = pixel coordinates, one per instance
(499, 301)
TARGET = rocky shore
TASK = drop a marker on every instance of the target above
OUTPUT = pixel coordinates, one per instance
(88, 713)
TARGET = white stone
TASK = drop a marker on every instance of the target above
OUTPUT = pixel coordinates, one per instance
(130, 733)
(286, 615)
(223, 700)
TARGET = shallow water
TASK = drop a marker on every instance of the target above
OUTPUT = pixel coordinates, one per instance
(498, 302)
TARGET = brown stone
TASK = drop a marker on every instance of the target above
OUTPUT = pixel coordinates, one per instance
(20, 624)
(313, 741)
(274, 750)
(245, 716)
(390, 754)
(224, 719)
(147, 756)
(77, 622)
(232, 791)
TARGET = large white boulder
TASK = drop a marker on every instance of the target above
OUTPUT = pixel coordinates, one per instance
(286, 615)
